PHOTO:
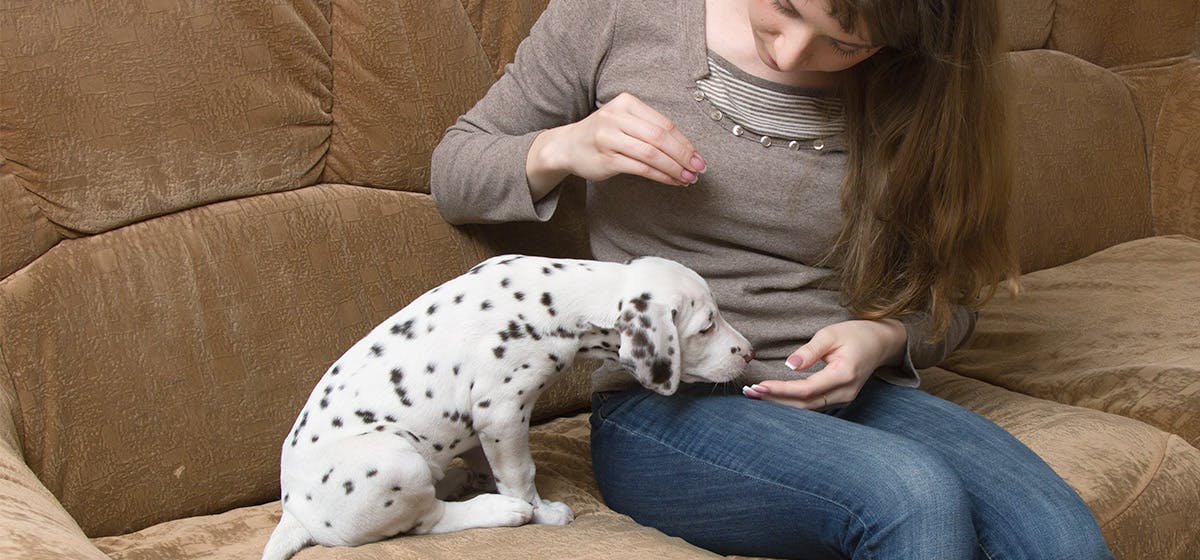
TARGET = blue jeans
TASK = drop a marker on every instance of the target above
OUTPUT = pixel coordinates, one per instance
(898, 473)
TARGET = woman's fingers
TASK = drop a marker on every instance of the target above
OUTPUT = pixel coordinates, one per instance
(662, 133)
(632, 166)
(825, 388)
(820, 383)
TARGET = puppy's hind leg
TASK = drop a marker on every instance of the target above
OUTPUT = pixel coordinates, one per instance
(484, 510)
(474, 476)
(376, 485)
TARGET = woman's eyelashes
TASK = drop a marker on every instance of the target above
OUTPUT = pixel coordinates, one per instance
(840, 49)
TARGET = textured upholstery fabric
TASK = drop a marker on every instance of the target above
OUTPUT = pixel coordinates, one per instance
(1082, 182)
(35, 526)
(402, 73)
(158, 362)
(1027, 23)
(564, 473)
(114, 112)
(1176, 154)
(1116, 331)
(25, 233)
(501, 27)
(1116, 33)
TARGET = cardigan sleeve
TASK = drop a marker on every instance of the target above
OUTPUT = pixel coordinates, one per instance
(478, 169)
(920, 352)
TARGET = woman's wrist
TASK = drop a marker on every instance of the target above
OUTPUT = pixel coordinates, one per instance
(545, 165)
(895, 340)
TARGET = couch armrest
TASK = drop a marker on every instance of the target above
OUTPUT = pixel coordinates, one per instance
(32, 523)
(1175, 157)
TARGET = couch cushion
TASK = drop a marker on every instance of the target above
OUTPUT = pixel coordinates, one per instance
(1140, 482)
(561, 451)
(1118, 33)
(403, 71)
(1116, 331)
(159, 366)
(113, 112)
(1081, 183)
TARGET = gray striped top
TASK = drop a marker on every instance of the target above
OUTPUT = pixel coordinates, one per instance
(768, 108)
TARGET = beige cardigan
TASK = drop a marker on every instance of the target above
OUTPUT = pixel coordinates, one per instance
(754, 226)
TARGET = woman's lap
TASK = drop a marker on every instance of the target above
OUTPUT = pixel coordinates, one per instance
(896, 474)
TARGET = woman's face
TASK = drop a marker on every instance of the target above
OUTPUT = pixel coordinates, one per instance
(800, 35)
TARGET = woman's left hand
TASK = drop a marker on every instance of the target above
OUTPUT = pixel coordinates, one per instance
(852, 350)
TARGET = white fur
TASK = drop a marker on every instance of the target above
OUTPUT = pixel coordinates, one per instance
(456, 373)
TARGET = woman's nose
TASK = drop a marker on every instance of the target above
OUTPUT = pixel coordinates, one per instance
(791, 48)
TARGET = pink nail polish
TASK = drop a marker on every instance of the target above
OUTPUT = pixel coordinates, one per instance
(698, 163)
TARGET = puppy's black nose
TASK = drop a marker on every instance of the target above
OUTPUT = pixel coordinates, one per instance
(748, 355)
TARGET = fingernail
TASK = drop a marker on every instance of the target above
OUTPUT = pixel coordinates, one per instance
(688, 176)
(760, 388)
(792, 366)
(698, 163)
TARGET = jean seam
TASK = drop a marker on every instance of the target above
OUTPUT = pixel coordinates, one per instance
(866, 554)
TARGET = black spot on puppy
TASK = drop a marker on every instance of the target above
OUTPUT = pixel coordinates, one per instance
(520, 296)
(486, 305)
(660, 372)
(349, 486)
(367, 416)
(498, 351)
(337, 422)
(504, 283)
(404, 329)
(459, 298)
(377, 350)
(431, 309)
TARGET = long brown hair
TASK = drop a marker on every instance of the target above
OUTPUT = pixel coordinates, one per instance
(926, 198)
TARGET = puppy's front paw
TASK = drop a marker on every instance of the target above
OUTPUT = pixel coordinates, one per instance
(552, 513)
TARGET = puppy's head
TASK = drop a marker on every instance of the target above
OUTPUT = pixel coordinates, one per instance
(671, 330)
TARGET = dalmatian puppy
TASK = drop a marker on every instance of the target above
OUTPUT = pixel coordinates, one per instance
(456, 373)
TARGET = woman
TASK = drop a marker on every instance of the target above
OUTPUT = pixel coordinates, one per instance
(836, 170)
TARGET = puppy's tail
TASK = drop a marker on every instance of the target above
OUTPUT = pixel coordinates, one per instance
(289, 537)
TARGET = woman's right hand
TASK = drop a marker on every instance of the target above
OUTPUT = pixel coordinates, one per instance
(624, 136)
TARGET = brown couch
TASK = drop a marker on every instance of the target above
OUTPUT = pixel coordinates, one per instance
(202, 204)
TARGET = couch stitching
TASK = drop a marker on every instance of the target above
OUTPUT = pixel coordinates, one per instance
(1152, 474)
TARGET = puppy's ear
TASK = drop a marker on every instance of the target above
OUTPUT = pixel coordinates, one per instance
(649, 343)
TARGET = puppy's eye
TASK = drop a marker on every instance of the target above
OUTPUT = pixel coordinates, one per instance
(708, 329)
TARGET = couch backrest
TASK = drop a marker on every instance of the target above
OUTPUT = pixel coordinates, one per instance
(173, 265)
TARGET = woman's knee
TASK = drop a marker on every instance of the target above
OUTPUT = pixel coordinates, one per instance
(1047, 527)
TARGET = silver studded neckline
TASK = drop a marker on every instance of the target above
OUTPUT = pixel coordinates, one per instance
(832, 143)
